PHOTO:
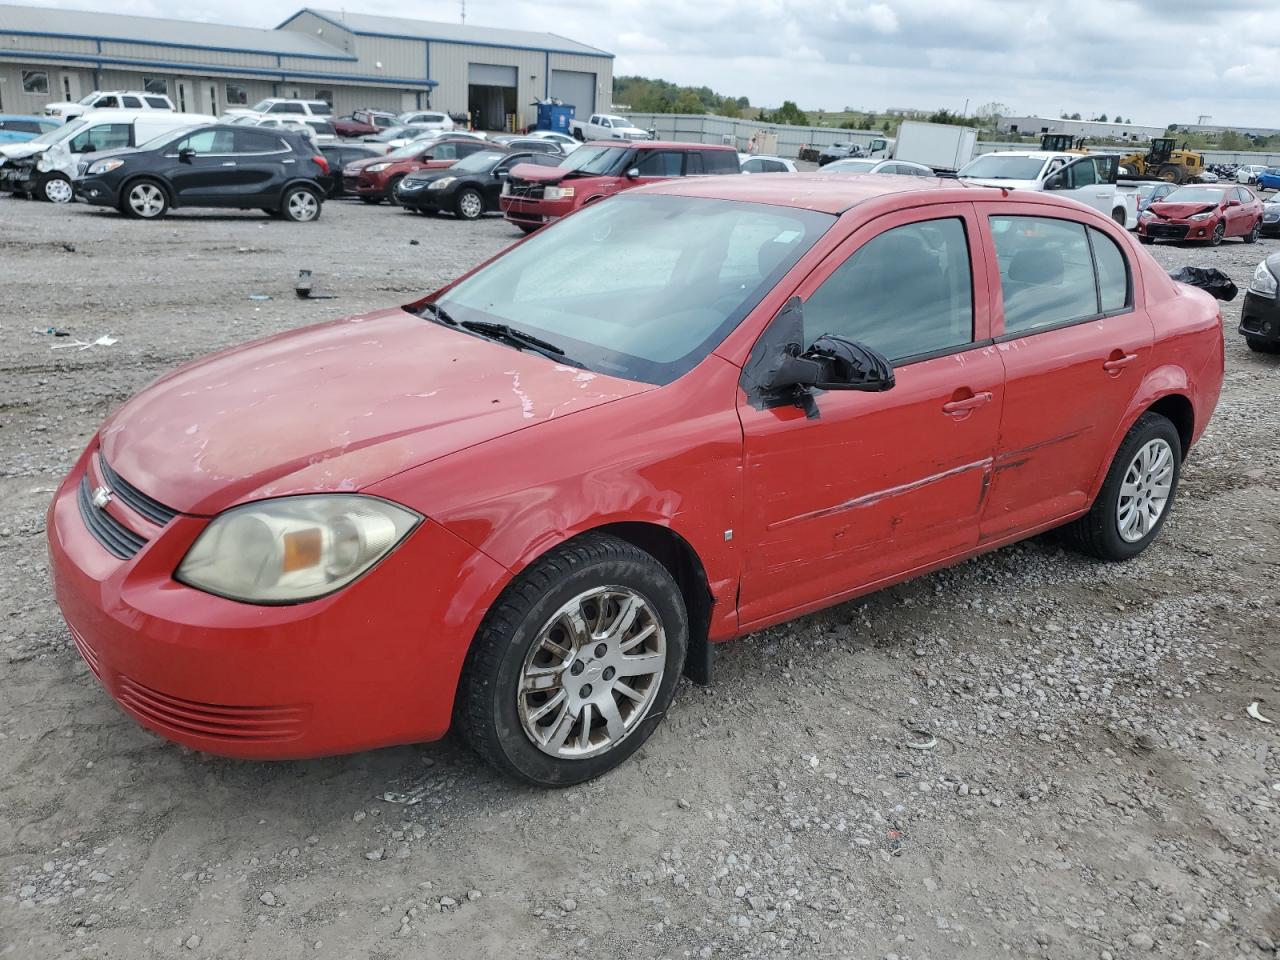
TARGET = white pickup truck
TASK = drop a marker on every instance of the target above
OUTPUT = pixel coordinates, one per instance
(603, 126)
(1089, 179)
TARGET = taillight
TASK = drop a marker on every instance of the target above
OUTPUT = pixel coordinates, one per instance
(321, 162)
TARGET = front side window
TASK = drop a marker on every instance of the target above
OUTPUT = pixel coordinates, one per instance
(443, 151)
(105, 103)
(156, 85)
(660, 163)
(1082, 173)
(681, 272)
(288, 107)
(1047, 272)
(208, 142)
(906, 292)
(35, 81)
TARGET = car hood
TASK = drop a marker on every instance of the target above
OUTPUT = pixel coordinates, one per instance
(89, 159)
(334, 407)
(16, 151)
(1180, 211)
(431, 175)
(536, 173)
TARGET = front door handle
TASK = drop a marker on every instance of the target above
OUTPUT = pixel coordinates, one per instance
(1118, 362)
(228, 163)
(962, 408)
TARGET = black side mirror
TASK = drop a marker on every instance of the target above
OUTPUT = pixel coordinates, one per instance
(186, 155)
(633, 173)
(1055, 182)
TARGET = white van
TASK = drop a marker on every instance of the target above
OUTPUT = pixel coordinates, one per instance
(45, 166)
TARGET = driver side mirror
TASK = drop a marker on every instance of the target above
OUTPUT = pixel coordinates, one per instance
(1233, 202)
(186, 154)
(1056, 182)
(633, 173)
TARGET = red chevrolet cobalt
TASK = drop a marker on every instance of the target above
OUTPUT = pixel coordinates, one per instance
(524, 504)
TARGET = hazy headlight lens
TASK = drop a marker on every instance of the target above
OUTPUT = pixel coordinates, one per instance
(376, 167)
(441, 183)
(106, 166)
(1200, 216)
(1264, 282)
(294, 548)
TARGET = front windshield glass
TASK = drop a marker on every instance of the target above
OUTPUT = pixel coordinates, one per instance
(850, 166)
(1194, 195)
(593, 160)
(995, 166)
(85, 101)
(642, 287)
(262, 106)
(478, 162)
(64, 132)
(408, 151)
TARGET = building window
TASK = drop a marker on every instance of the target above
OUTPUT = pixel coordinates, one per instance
(325, 95)
(237, 94)
(156, 85)
(213, 99)
(35, 81)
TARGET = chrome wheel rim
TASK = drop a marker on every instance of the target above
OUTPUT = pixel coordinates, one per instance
(592, 674)
(146, 200)
(1144, 494)
(303, 205)
(1219, 232)
(470, 204)
(57, 190)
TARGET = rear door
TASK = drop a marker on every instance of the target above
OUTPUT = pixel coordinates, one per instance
(263, 161)
(1075, 350)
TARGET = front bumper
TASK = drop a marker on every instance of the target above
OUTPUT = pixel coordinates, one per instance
(422, 198)
(1260, 318)
(371, 665)
(365, 186)
(535, 211)
(1271, 227)
(1177, 229)
(95, 190)
(20, 177)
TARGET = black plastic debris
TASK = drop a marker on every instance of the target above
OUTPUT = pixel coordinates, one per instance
(304, 290)
(1213, 282)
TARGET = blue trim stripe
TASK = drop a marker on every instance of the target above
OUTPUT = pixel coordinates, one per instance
(203, 68)
(337, 54)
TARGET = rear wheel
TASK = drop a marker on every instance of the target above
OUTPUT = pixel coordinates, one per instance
(1171, 173)
(526, 228)
(56, 188)
(371, 200)
(145, 200)
(1120, 217)
(469, 205)
(391, 190)
(300, 205)
(1136, 496)
(1253, 234)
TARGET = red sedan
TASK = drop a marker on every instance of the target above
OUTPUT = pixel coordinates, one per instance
(374, 179)
(1205, 212)
(525, 504)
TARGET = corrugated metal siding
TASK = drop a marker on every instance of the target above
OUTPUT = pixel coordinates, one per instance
(322, 30)
(399, 58)
(13, 41)
(450, 64)
(181, 55)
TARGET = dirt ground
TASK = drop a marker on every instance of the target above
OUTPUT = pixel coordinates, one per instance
(1097, 789)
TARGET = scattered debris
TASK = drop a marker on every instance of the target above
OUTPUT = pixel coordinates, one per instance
(928, 743)
(106, 340)
(1253, 711)
(69, 247)
(408, 799)
(1209, 279)
(53, 332)
(414, 243)
(304, 291)
(259, 296)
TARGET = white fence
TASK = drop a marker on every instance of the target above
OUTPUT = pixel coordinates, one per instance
(707, 128)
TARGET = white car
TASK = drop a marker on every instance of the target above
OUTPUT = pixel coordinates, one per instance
(567, 143)
(317, 128)
(903, 168)
(299, 109)
(431, 119)
(1081, 177)
(108, 100)
(756, 163)
(1249, 172)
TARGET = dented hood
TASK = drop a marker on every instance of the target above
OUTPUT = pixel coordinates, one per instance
(334, 407)
(535, 173)
(1180, 211)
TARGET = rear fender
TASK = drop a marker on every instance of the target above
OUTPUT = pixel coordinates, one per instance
(1162, 381)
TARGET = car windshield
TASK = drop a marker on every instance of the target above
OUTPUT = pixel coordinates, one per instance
(408, 151)
(64, 132)
(1194, 195)
(1273, 171)
(681, 274)
(851, 166)
(994, 166)
(262, 106)
(478, 162)
(85, 101)
(594, 160)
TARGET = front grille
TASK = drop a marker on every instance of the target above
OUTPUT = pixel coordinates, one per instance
(1167, 231)
(208, 720)
(115, 537)
(135, 499)
(525, 189)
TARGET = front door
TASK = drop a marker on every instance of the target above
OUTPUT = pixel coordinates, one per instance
(1081, 180)
(209, 173)
(1075, 350)
(877, 484)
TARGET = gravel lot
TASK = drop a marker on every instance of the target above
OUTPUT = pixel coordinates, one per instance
(1097, 789)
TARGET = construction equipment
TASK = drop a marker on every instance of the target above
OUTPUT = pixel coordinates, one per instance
(1166, 162)
(1062, 143)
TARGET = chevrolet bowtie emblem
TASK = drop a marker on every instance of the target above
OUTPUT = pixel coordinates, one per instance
(101, 497)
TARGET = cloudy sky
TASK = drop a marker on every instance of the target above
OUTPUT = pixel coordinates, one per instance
(1156, 61)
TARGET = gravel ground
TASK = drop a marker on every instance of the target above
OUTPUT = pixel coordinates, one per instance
(1096, 789)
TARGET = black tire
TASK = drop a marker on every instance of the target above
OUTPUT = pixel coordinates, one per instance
(391, 190)
(469, 204)
(371, 200)
(1252, 235)
(133, 205)
(526, 228)
(1120, 217)
(1219, 232)
(487, 712)
(579, 136)
(1147, 240)
(1171, 173)
(1258, 345)
(301, 204)
(1097, 533)
(56, 188)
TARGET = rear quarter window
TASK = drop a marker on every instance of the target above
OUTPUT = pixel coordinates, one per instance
(719, 161)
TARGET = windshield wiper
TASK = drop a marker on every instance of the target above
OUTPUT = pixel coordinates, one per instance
(518, 338)
(439, 314)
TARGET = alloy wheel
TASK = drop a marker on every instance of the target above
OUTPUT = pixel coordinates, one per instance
(471, 205)
(303, 206)
(1219, 232)
(1144, 494)
(592, 673)
(146, 200)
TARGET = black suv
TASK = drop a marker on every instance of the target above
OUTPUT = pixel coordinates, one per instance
(214, 165)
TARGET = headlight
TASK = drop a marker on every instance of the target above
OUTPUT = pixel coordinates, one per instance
(105, 166)
(441, 183)
(1264, 282)
(1148, 215)
(375, 167)
(1201, 216)
(42, 162)
(557, 193)
(293, 548)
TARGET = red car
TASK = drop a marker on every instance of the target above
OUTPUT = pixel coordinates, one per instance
(374, 179)
(534, 196)
(524, 504)
(1202, 211)
(364, 123)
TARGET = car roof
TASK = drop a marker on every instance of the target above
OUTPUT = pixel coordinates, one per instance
(661, 145)
(836, 193)
(28, 116)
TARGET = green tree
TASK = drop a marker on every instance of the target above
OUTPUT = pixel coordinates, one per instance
(791, 114)
(687, 102)
(1103, 118)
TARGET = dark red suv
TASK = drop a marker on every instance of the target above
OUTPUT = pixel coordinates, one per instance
(534, 195)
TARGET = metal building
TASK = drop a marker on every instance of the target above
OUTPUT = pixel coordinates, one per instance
(351, 60)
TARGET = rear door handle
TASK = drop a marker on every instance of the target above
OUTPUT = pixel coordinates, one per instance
(1116, 364)
(959, 408)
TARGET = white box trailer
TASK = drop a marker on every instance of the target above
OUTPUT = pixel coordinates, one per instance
(942, 146)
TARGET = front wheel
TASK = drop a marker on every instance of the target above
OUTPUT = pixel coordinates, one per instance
(470, 204)
(1146, 240)
(145, 200)
(300, 205)
(575, 665)
(1253, 234)
(56, 188)
(1219, 232)
(391, 190)
(1136, 496)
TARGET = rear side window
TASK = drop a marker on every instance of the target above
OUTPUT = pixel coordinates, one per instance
(719, 161)
(443, 151)
(1055, 272)
(132, 103)
(320, 108)
(159, 103)
(257, 141)
(907, 292)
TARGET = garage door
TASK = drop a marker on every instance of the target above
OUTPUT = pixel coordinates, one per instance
(577, 88)
(491, 75)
